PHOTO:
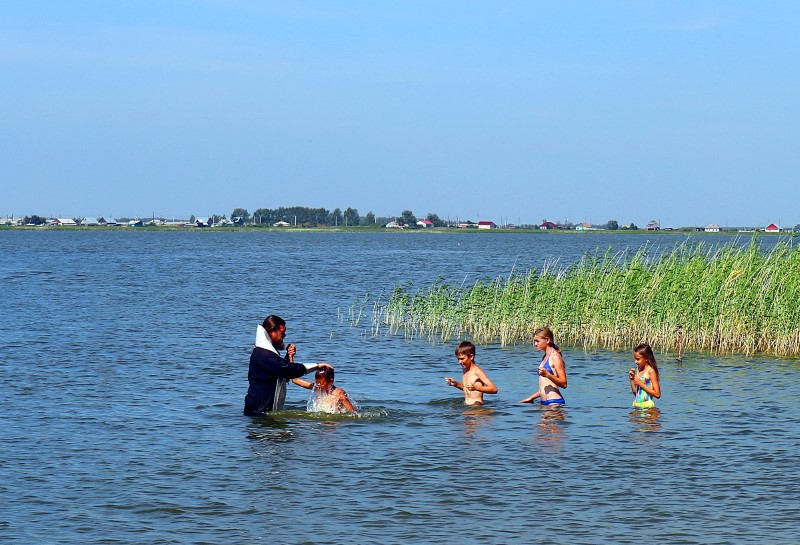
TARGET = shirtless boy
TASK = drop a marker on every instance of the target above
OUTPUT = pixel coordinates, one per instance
(474, 382)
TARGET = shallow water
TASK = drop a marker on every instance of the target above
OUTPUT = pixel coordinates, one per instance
(124, 362)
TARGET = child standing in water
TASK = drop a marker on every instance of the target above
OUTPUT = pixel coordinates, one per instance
(552, 372)
(329, 398)
(644, 377)
(474, 381)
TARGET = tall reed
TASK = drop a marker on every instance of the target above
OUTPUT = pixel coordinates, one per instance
(726, 299)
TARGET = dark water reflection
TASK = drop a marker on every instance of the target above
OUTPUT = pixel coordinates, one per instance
(123, 359)
(646, 420)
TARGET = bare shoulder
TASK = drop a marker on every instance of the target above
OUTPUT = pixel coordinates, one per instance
(479, 371)
(339, 393)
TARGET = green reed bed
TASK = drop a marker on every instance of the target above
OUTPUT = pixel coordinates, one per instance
(728, 299)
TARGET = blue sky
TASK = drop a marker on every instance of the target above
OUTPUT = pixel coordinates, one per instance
(517, 111)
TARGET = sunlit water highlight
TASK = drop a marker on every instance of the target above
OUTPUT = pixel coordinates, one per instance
(124, 363)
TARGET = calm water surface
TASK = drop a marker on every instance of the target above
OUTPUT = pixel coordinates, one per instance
(123, 360)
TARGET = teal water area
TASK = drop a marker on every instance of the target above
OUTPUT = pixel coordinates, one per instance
(123, 365)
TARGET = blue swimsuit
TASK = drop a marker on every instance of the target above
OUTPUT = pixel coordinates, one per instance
(555, 401)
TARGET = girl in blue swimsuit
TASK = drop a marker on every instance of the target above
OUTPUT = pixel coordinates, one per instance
(644, 377)
(552, 372)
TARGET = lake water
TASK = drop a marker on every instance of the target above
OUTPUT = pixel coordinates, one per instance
(123, 367)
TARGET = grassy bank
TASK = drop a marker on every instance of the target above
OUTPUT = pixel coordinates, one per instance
(694, 297)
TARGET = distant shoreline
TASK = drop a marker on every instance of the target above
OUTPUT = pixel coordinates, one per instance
(372, 230)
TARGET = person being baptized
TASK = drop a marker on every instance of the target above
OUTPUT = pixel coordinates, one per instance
(329, 398)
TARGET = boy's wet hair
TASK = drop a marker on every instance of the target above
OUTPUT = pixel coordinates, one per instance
(465, 348)
(324, 372)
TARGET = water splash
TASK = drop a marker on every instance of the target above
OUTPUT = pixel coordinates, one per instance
(321, 401)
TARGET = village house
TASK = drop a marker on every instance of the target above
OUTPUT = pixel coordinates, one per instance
(425, 223)
(548, 225)
(281, 224)
(177, 223)
(713, 228)
(584, 227)
(486, 225)
(653, 225)
(772, 228)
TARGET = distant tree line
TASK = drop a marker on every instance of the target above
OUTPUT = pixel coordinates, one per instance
(34, 220)
(300, 215)
(312, 217)
(350, 217)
